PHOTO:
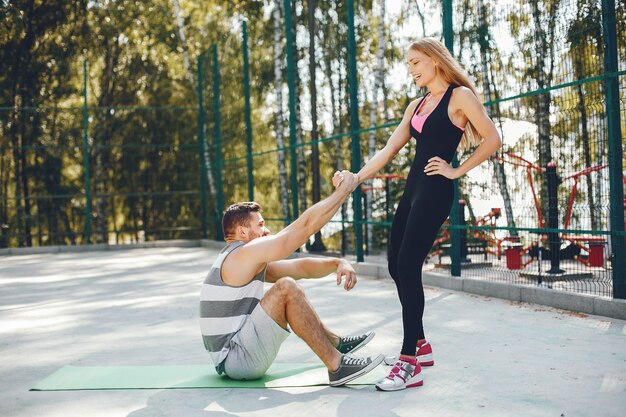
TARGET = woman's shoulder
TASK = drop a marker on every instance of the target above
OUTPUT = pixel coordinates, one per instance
(463, 95)
(461, 90)
(413, 104)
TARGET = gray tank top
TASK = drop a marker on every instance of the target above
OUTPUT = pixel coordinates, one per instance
(224, 308)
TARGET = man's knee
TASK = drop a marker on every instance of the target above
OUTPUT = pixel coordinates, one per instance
(288, 287)
(279, 294)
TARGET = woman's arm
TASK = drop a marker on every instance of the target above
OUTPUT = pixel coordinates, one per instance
(397, 140)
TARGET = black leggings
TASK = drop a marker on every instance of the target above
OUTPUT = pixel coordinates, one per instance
(421, 212)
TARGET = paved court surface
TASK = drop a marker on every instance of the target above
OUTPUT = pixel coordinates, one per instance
(139, 307)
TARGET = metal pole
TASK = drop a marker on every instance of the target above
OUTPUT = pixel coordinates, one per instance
(354, 126)
(387, 197)
(218, 143)
(292, 108)
(553, 219)
(455, 233)
(365, 216)
(463, 233)
(448, 33)
(86, 155)
(611, 87)
(202, 139)
(246, 93)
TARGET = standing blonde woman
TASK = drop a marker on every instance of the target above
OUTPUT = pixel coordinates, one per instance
(449, 115)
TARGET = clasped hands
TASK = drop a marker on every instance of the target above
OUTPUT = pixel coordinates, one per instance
(345, 180)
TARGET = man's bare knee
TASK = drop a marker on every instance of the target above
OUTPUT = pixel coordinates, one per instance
(288, 288)
(282, 291)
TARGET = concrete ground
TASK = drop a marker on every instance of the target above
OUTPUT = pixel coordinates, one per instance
(139, 307)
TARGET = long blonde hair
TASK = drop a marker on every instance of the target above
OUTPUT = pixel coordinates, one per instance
(450, 70)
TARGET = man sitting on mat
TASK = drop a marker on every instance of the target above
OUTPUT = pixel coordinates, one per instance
(243, 328)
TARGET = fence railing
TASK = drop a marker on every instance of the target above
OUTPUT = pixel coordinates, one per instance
(548, 209)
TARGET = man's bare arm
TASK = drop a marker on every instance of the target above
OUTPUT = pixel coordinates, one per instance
(312, 268)
(243, 263)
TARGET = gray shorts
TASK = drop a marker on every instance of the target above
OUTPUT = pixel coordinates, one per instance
(255, 346)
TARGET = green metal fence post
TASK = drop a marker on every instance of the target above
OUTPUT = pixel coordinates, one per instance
(86, 156)
(292, 108)
(455, 222)
(354, 126)
(218, 143)
(611, 86)
(202, 139)
(246, 93)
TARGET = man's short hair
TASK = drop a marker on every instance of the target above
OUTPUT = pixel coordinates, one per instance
(238, 214)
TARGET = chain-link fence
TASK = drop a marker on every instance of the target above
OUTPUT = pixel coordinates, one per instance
(541, 211)
(553, 186)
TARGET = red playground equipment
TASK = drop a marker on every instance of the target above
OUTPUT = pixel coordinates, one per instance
(515, 250)
(511, 246)
(488, 233)
(592, 245)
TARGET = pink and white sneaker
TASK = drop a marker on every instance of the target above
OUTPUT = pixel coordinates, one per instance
(404, 374)
(424, 354)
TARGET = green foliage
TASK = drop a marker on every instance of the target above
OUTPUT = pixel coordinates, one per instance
(143, 123)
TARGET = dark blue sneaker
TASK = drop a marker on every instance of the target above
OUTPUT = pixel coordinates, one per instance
(351, 344)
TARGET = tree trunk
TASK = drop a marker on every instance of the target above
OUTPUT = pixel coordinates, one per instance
(420, 14)
(4, 191)
(543, 46)
(584, 136)
(301, 161)
(300, 156)
(462, 32)
(278, 87)
(102, 134)
(483, 39)
(503, 186)
(207, 154)
(600, 138)
(28, 137)
(386, 113)
(21, 97)
(15, 142)
(335, 92)
(318, 244)
(183, 40)
(52, 181)
(371, 142)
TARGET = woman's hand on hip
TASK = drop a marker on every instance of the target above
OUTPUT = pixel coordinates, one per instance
(437, 166)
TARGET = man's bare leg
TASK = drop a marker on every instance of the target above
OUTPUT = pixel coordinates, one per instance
(332, 337)
(286, 303)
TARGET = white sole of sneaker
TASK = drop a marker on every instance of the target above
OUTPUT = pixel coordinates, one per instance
(375, 362)
(391, 360)
(416, 381)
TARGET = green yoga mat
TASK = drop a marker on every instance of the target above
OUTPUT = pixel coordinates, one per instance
(188, 376)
